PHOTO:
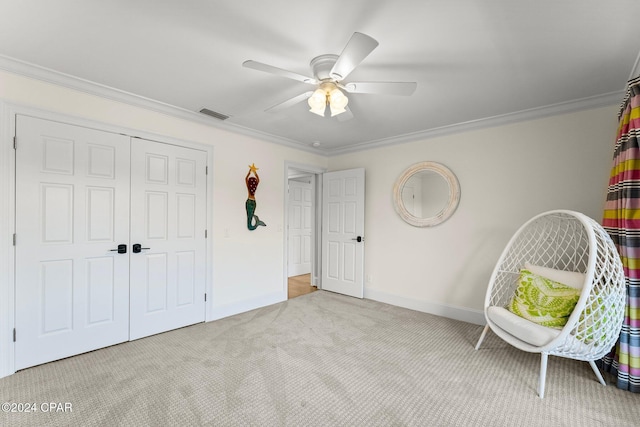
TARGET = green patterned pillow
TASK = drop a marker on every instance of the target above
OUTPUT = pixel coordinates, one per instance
(543, 301)
(593, 316)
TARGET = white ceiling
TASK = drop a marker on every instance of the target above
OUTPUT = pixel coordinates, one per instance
(472, 59)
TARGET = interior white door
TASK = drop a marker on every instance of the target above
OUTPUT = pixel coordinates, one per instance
(72, 211)
(343, 232)
(168, 210)
(300, 222)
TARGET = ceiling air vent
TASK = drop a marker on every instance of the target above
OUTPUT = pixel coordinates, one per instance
(215, 114)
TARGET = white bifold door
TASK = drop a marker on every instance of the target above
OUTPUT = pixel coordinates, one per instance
(168, 207)
(83, 198)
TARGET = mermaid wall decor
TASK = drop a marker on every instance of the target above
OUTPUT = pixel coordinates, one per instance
(252, 185)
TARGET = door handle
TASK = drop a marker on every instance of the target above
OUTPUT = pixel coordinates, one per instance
(137, 247)
(358, 239)
(122, 249)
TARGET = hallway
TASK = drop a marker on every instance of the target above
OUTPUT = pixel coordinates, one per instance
(300, 285)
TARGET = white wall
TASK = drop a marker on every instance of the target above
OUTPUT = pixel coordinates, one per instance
(248, 266)
(507, 175)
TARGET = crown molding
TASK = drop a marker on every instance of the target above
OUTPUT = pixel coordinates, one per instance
(66, 80)
(607, 99)
(48, 75)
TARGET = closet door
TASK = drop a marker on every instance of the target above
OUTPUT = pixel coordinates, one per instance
(168, 259)
(72, 212)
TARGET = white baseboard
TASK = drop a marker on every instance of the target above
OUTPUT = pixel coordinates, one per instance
(221, 311)
(444, 310)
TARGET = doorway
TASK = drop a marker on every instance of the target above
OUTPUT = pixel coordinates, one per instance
(299, 285)
(337, 237)
(302, 227)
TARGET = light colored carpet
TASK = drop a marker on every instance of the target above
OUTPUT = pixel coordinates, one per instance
(318, 360)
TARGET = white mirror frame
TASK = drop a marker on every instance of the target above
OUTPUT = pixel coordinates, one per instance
(447, 210)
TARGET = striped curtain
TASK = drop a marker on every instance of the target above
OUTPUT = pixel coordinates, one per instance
(622, 221)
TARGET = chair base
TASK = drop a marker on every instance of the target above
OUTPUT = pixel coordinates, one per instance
(597, 372)
(544, 358)
(484, 333)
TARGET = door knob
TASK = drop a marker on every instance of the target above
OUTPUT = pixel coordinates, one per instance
(137, 247)
(122, 249)
(358, 239)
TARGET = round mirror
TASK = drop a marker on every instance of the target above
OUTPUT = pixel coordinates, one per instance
(426, 194)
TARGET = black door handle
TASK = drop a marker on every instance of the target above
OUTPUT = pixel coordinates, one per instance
(358, 239)
(122, 249)
(137, 247)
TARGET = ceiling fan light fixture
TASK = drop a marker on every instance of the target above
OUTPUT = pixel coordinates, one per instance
(318, 102)
(337, 101)
(327, 94)
(335, 111)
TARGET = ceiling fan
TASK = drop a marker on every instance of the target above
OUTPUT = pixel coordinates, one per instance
(329, 72)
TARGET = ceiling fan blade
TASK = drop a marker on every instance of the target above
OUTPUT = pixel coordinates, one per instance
(382, 88)
(359, 47)
(289, 102)
(278, 71)
(347, 115)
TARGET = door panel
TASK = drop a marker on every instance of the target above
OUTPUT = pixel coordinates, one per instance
(100, 288)
(186, 285)
(72, 209)
(343, 222)
(56, 288)
(168, 208)
(186, 207)
(100, 214)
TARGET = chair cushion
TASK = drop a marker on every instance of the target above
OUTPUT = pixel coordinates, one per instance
(543, 301)
(520, 328)
(569, 278)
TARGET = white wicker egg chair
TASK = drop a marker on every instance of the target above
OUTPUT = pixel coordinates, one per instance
(568, 241)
